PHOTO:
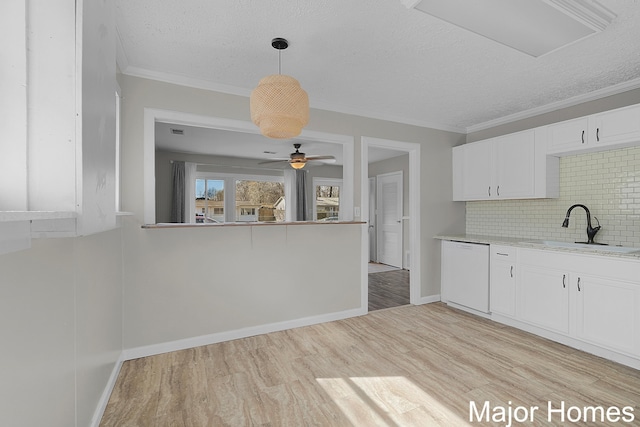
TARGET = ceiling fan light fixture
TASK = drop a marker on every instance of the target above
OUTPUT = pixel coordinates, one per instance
(297, 164)
(279, 106)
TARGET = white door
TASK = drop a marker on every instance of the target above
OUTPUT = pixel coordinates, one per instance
(373, 253)
(389, 218)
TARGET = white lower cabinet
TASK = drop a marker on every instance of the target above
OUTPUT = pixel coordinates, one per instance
(543, 297)
(503, 280)
(591, 302)
(607, 313)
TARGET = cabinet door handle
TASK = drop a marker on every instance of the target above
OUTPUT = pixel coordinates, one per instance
(489, 191)
(498, 191)
(578, 284)
(598, 134)
(583, 137)
(564, 280)
(500, 253)
(511, 272)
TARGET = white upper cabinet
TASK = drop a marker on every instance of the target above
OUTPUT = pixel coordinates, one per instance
(474, 165)
(513, 166)
(568, 136)
(611, 129)
(621, 126)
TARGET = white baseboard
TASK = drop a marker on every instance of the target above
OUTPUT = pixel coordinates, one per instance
(624, 359)
(150, 350)
(106, 393)
(429, 299)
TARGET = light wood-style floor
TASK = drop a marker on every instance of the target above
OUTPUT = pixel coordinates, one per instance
(406, 366)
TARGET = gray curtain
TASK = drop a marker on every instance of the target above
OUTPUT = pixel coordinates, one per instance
(177, 194)
(301, 195)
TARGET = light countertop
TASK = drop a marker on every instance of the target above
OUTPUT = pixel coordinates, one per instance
(537, 244)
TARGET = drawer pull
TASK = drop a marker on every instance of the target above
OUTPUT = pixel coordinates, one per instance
(501, 254)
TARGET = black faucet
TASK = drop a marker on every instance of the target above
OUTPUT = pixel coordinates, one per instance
(591, 231)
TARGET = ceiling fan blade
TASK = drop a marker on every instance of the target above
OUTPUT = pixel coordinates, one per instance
(320, 158)
(273, 161)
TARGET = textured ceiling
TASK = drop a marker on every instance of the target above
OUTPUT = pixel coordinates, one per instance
(373, 58)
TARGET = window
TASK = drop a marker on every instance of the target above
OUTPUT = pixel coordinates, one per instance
(258, 200)
(326, 206)
(209, 200)
(239, 198)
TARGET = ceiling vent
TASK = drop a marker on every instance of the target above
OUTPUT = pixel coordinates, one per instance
(535, 27)
(177, 131)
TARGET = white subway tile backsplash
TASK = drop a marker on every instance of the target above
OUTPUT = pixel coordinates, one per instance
(608, 183)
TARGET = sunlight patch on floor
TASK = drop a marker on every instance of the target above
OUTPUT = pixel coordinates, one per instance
(387, 401)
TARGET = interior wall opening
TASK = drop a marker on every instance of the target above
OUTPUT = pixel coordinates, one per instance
(390, 171)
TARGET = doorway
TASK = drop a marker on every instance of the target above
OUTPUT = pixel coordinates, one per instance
(391, 172)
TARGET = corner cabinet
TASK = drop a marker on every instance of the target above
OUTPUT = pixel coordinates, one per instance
(513, 166)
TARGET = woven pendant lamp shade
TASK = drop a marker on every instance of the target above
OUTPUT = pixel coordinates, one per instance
(279, 107)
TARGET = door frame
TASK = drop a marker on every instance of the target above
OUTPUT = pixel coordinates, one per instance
(373, 223)
(379, 198)
(413, 149)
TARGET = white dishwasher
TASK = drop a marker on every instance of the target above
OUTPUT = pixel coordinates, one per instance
(465, 275)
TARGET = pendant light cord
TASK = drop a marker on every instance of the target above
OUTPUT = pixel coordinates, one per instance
(279, 61)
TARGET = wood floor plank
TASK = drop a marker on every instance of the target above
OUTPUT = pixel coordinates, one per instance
(405, 366)
(388, 289)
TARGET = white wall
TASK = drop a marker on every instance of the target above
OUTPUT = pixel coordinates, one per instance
(61, 300)
(61, 329)
(95, 185)
(439, 214)
(194, 282)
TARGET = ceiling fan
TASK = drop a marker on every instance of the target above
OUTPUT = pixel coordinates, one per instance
(297, 160)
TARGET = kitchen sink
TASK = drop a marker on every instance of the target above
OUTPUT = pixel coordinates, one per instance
(594, 247)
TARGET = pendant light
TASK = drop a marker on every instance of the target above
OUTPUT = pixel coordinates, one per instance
(279, 106)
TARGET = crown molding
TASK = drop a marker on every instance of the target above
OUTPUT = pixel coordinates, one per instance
(580, 99)
(589, 12)
(234, 90)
